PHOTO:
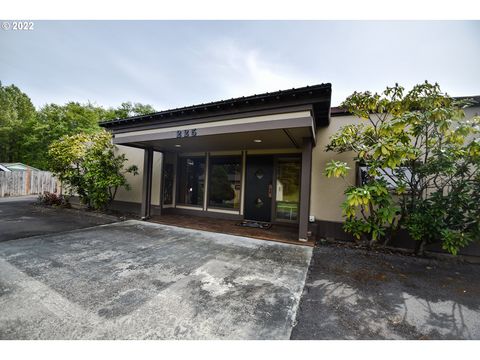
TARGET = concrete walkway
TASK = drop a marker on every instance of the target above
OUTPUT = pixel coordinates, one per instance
(137, 280)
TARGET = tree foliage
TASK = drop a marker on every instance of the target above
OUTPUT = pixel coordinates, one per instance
(87, 165)
(220, 187)
(55, 121)
(423, 161)
(26, 133)
(128, 109)
(17, 121)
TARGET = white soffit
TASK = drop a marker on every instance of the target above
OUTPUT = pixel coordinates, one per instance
(212, 124)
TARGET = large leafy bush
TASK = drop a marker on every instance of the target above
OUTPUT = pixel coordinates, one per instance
(88, 166)
(423, 160)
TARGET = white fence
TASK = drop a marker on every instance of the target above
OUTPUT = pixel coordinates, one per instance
(17, 183)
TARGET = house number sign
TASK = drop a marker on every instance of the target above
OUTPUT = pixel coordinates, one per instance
(186, 133)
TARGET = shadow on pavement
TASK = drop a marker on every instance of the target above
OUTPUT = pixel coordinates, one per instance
(354, 294)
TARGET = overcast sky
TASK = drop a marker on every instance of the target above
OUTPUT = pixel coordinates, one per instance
(169, 64)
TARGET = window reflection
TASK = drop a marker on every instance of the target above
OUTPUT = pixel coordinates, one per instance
(288, 189)
(225, 182)
(168, 184)
(191, 180)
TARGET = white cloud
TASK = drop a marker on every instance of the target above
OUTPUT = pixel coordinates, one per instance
(244, 71)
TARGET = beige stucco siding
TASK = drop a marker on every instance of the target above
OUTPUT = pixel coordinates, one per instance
(327, 194)
(135, 157)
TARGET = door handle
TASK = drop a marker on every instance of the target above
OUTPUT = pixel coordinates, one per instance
(270, 191)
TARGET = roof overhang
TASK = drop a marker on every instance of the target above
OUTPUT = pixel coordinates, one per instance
(316, 97)
(282, 130)
(281, 118)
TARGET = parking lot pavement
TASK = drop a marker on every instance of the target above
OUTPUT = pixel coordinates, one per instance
(20, 218)
(355, 294)
(138, 280)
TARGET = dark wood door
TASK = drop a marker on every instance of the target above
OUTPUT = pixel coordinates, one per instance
(258, 188)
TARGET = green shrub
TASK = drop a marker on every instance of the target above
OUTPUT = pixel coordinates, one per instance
(88, 166)
(421, 143)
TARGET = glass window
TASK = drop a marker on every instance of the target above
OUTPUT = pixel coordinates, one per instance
(288, 189)
(168, 184)
(225, 182)
(191, 180)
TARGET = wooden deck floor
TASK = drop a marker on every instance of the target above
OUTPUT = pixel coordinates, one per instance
(280, 233)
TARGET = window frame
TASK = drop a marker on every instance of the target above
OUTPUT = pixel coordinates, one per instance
(178, 203)
(163, 187)
(277, 159)
(209, 187)
(359, 179)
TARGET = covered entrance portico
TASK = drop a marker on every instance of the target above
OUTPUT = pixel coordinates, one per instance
(240, 165)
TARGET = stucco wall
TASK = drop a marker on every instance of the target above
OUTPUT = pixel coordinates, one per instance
(327, 194)
(135, 157)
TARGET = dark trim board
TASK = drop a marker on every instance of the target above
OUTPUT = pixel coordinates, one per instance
(202, 213)
(332, 230)
(126, 207)
(340, 111)
(318, 96)
(133, 208)
(305, 189)
(147, 183)
(329, 230)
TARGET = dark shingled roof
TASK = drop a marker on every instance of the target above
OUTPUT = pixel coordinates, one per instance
(339, 111)
(318, 95)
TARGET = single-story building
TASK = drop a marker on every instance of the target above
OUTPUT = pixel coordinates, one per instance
(258, 158)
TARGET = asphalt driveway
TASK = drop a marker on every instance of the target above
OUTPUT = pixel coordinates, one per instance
(20, 218)
(355, 294)
(75, 275)
(138, 280)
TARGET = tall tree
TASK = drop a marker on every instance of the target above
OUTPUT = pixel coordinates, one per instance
(128, 109)
(17, 118)
(25, 134)
(55, 121)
